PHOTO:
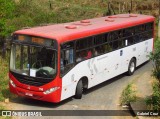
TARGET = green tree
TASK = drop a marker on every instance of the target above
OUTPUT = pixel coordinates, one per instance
(155, 57)
(6, 12)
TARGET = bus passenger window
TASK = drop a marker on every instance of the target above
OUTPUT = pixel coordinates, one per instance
(120, 44)
(68, 56)
(95, 53)
(108, 47)
(89, 54)
(115, 45)
(83, 55)
(80, 56)
(130, 40)
(67, 60)
(100, 50)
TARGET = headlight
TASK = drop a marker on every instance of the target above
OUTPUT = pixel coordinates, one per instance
(12, 83)
(51, 90)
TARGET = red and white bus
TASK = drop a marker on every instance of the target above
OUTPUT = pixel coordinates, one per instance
(54, 62)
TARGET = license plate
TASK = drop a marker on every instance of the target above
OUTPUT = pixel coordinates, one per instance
(29, 94)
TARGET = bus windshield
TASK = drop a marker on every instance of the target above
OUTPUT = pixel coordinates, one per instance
(33, 61)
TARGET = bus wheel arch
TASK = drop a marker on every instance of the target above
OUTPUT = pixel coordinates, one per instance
(84, 82)
(132, 66)
(135, 61)
(81, 85)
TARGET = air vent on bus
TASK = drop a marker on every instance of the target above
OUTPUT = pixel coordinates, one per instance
(127, 16)
(85, 21)
(82, 24)
(109, 20)
(124, 16)
(70, 26)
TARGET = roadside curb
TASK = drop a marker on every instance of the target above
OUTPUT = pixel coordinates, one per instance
(144, 89)
(139, 105)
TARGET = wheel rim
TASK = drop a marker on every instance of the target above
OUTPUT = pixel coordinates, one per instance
(132, 67)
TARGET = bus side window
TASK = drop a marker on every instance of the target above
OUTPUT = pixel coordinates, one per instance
(67, 57)
(84, 55)
(107, 48)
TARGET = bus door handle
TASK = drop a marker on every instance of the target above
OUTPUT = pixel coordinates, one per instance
(121, 52)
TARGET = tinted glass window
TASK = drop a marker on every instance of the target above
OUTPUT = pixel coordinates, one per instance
(115, 35)
(149, 26)
(84, 55)
(67, 57)
(115, 45)
(128, 32)
(84, 43)
(130, 40)
(99, 39)
(120, 43)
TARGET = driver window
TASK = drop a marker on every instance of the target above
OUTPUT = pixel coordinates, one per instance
(67, 57)
(43, 62)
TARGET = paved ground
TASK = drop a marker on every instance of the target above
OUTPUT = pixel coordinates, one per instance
(102, 97)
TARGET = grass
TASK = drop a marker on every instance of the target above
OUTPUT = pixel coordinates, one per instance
(4, 88)
(128, 95)
(153, 102)
(35, 12)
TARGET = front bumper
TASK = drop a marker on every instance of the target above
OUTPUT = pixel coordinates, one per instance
(34, 94)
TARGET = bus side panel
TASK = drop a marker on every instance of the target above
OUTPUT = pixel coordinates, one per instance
(143, 50)
(70, 80)
(140, 51)
(104, 67)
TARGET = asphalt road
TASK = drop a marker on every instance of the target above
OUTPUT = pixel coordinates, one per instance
(105, 96)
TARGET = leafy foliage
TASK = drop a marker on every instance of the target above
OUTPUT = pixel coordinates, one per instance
(128, 95)
(155, 57)
(153, 102)
(6, 12)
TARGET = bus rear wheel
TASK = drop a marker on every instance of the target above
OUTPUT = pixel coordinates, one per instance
(79, 90)
(131, 67)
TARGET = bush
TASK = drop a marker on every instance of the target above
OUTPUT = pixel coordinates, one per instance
(153, 102)
(4, 80)
(155, 57)
(128, 95)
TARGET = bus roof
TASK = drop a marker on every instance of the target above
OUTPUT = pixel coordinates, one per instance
(79, 29)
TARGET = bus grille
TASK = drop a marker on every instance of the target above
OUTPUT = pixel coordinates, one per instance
(33, 81)
(29, 82)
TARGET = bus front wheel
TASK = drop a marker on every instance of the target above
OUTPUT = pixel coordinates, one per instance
(132, 66)
(79, 90)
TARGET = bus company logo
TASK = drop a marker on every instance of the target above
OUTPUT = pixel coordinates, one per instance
(6, 113)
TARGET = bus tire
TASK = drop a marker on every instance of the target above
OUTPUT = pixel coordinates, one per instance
(79, 90)
(131, 67)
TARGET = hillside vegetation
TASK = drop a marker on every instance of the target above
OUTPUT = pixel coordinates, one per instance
(29, 13)
(36, 12)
